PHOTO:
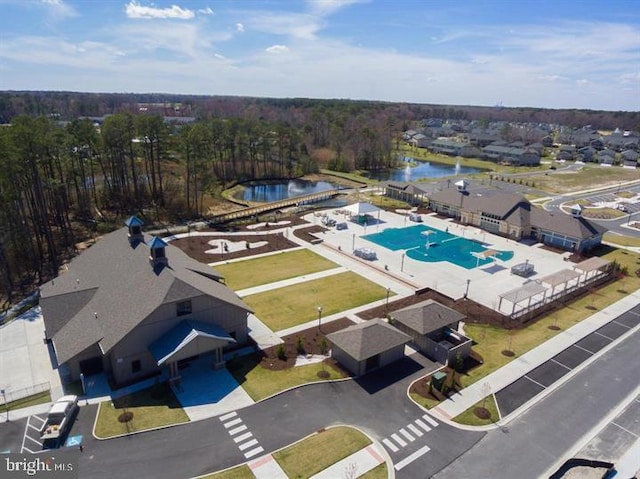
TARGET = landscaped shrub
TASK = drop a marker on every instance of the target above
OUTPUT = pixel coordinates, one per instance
(281, 353)
(300, 346)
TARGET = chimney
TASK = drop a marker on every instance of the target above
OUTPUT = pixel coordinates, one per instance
(135, 230)
(157, 253)
(576, 210)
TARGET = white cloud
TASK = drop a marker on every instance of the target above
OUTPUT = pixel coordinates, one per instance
(277, 49)
(205, 11)
(135, 10)
(59, 9)
(327, 7)
(297, 25)
(552, 78)
(239, 27)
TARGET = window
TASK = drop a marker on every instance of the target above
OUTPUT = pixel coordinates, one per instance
(136, 366)
(183, 307)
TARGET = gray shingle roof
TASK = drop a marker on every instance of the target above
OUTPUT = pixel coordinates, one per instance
(576, 227)
(365, 340)
(111, 288)
(427, 316)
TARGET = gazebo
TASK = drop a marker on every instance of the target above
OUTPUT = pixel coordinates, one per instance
(360, 210)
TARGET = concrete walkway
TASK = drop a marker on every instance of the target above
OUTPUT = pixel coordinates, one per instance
(355, 465)
(517, 368)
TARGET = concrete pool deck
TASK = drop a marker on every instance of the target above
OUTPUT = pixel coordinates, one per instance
(484, 284)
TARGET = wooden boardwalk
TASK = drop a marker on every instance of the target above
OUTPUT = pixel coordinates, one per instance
(274, 205)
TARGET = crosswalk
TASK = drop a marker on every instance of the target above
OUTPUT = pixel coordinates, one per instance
(240, 434)
(408, 434)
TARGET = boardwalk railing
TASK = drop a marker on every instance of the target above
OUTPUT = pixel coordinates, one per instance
(274, 205)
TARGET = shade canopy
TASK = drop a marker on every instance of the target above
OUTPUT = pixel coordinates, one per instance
(361, 208)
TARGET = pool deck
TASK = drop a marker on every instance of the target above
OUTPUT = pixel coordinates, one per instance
(484, 283)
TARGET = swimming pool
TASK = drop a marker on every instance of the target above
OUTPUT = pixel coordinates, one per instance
(424, 243)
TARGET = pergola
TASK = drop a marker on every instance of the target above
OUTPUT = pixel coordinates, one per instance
(486, 254)
(361, 209)
(560, 277)
(590, 265)
(526, 292)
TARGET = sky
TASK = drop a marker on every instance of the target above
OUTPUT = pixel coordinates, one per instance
(535, 53)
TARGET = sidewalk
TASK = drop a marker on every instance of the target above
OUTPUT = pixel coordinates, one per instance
(517, 368)
(355, 465)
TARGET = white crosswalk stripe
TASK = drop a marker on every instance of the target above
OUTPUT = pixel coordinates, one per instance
(407, 435)
(415, 430)
(242, 437)
(399, 440)
(247, 444)
(253, 452)
(430, 420)
(422, 425)
(238, 429)
(390, 445)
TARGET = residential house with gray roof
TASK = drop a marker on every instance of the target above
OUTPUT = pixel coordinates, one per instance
(132, 305)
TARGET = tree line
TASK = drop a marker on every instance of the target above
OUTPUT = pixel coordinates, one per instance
(61, 182)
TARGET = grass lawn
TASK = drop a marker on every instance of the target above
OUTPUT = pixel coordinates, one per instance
(260, 383)
(587, 177)
(491, 341)
(240, 472)
(621, 240)
(33, 400)
(470, 419)
(268, 269)
(320, 451)
(423, 401)
(153, 407)
(379, 472)
(297, 304)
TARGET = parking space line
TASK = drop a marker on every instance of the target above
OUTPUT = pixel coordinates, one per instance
(415, 430)
(563, 365)
(406, 434)
(600, 334)
(624, 429)
(42, 420)
(33, 427)
(390, 445)
(412, 457)
(620, 324)
(535, 382)
(585, 350)
(398, 439)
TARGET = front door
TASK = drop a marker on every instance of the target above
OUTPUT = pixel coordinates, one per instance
(91, 366)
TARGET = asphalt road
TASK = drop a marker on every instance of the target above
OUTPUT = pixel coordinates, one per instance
(376, 403)
(544, 434)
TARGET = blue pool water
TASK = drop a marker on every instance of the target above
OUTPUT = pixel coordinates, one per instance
(442, 246)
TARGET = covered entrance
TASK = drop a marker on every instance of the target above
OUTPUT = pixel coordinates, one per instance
(91, 366)
(187, 340)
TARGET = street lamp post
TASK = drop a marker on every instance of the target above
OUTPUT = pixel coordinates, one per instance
(466, 291)
(6, 405)
(402, 264)
(319, 317)
(386, 306)
(353, 242)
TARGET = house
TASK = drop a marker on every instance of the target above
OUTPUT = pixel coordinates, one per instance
(133, 305)
(511, 155)
(412, 194)
(367, 346)
(453, 148)
(433, 327)
(419, 140)
(511, 215)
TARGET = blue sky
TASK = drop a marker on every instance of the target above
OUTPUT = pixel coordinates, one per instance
(557, 54)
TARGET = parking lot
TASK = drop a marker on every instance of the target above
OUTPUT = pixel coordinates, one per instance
(612, 198)
(537, 380)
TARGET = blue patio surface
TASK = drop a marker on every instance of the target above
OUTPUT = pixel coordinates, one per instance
(428, 244)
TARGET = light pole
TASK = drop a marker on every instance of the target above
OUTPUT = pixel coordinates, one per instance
(6, 405)
(386, 306)
(353, 242)
(466, 291)
(319, 317)
(402, 264)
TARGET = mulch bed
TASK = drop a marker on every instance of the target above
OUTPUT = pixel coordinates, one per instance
(309, 234)
(311, 341)
(195, 246)
(476, 313)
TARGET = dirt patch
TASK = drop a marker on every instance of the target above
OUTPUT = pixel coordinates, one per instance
(125, 417)
(482, 413)
(309, 234)
(308, 341)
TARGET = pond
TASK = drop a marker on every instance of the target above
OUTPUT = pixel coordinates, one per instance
(423, 169)
(281, 190)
